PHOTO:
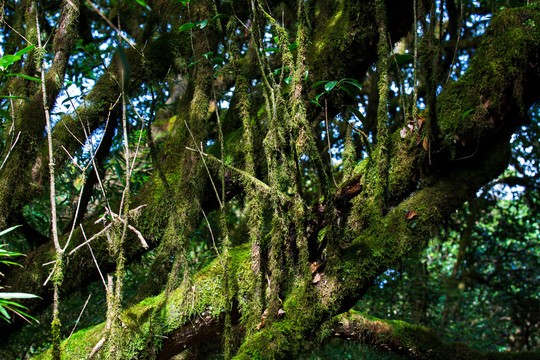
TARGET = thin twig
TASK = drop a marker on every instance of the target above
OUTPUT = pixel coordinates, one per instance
(50, 275)
(140, 135)
(212, 236)
(54, 228)
(88, 139)
(16, 32)
(76, 211)
(93, 257)
(104, 230)
(114, 27)
(457, 45)
(139, 235)
(73, 159)
(261, 185)
(415, 68)
(10, 149)
(79, 318)
(207, 170)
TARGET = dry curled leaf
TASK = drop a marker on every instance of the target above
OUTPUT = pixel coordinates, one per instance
(314, 266)
(411, 214)
(425, 143)
(316, 278)
(420, 122)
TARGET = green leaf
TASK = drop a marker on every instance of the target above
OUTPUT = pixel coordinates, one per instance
(318, 96)
(68, 99)
(7, 60)
(293, 46)
(356, 112)
(467, 113)
(218, 60)
(20, 53)
(24, 77)
(288, 80)
(10, 295)
(316, 103)
(5, 303)
(319, 83)
(193, 63)
(14, 97)
(4, 313)
(403, 59)
(201, 24)
(280, 70)
(3, 232)
(330, 85)
(186, 26)
(10, 263)
(219, 16)
(143, 4)
(5, 114)
(350, 90)
(353, 82)
(271, 50)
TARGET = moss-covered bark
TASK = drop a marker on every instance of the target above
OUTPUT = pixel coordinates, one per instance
(417, 342)
(19, 179)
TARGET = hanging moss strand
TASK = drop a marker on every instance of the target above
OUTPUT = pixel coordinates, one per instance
(428, 53)
(301, 129)
(349, 153)
(253, 197)
(382, 114)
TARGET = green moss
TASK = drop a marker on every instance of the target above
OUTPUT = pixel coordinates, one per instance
(159, 315)
(471, 107)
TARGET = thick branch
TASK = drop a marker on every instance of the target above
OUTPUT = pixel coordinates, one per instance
(17, 176)
(417, 342)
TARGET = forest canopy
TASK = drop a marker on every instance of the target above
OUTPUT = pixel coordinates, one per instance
(269, 179)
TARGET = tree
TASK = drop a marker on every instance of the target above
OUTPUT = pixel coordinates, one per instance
(310, 144)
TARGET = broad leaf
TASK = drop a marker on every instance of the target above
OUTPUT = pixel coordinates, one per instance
(10, 295)
(201, 24)
(186, 26)
(356, 112)
(3, 232)
(20, 53)
(319, 83)
(330, 85)
(219, 16)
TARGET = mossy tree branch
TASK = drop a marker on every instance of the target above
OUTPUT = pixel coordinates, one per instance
(417, 342)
